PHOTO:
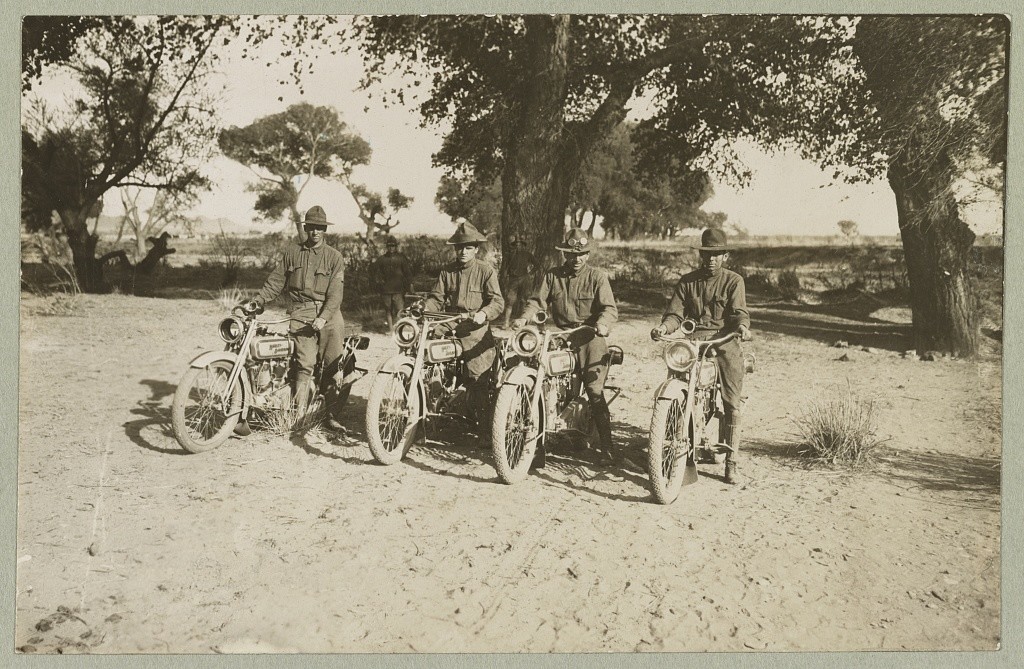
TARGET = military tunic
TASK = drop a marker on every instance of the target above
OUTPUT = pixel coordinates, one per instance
(467, 289)
(313, 281)
(572, 300)
(717, 302)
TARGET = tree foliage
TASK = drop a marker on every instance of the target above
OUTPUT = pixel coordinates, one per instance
(528, 97)
(635, 202)
(136, 114)
(286, 150)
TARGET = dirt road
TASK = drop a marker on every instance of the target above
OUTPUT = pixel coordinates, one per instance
(128, 544)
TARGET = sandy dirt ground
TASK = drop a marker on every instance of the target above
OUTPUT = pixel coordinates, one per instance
(128, 544)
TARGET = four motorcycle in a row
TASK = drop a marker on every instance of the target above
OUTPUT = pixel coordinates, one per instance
(536, 390)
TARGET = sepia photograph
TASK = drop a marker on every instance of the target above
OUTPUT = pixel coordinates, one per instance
(510, 333)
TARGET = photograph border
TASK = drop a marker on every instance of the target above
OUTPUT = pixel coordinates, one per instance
(1012, 567)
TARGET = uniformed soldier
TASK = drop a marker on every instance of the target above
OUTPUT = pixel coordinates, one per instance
(715, 298)
(393, 278)
(471, 286)
(577, 294)
(519, 268)
(312, 276)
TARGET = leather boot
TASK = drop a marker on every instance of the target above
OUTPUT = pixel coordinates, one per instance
(301, 393)
(731, 435)
(603, 422)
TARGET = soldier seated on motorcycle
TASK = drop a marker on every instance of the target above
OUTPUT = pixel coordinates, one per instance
(312, 276)
(715, 298)
(471, 286)
(576, 294)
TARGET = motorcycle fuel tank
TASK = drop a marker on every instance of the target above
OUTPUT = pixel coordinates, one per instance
(265, 348)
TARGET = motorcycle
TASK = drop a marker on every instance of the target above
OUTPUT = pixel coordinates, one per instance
(685, 406)
(425, 380)
(253, 373)
(541, 395)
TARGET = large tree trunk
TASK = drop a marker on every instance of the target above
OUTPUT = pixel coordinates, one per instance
(536, 180)
(937, 247)
(88, 269)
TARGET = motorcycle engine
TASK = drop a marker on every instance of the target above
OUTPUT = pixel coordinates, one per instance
(269, 380)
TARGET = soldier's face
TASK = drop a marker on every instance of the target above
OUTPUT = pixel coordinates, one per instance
(711, 261)
(315, 234)
(576, 261)
(465, 252)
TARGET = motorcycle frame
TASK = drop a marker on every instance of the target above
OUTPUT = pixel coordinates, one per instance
(683, 384)
(539, 375)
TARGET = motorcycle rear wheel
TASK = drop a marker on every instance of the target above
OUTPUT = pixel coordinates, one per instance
(513, 433)
(392, 423)
(670, 445)
(198, 415)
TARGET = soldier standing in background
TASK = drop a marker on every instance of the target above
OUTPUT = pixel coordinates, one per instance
(393, 278)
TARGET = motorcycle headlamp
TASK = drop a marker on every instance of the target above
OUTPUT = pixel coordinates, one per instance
(680, 356)
(231, 329)
(406, 331)
(526, 342)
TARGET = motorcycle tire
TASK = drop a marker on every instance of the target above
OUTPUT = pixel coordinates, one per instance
(666, 463)
(203, 428)
(513, 428)
(391, 438)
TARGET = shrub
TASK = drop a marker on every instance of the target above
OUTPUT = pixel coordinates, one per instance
(839, 429)
(788, 284)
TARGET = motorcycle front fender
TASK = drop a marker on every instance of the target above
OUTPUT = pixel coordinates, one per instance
(205, 359)
(519, 375)
(671, 389)
(404, 364)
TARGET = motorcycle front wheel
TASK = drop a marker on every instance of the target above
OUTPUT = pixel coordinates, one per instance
(392, 417)
(669, 448)
(200, 420)
(514, 431)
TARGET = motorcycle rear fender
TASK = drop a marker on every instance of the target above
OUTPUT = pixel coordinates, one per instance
(520, 375)
(204, 359)
(671, 389)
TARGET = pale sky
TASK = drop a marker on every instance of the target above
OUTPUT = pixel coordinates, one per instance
(786, 195)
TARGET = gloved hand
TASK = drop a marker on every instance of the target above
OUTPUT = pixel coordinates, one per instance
(479, 318)
(658, 331)
(518, 323)
(602, 330)
(318, 324)
(744, 333)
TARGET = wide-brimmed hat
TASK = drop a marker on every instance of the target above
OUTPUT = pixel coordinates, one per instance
(466, 233)
(576, 241)
(316, 215)
(714, 239)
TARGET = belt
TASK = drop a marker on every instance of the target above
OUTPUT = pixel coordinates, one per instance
(315, 303)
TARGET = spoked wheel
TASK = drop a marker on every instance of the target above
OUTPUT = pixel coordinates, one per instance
(514, 432)
(391, 418)
(200, 419)
(669, 449)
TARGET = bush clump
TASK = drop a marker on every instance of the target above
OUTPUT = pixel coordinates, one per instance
(788, 284)
(840, 429)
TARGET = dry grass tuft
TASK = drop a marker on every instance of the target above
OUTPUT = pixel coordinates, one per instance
(228, 298)
(840, 429)
(284, 422)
